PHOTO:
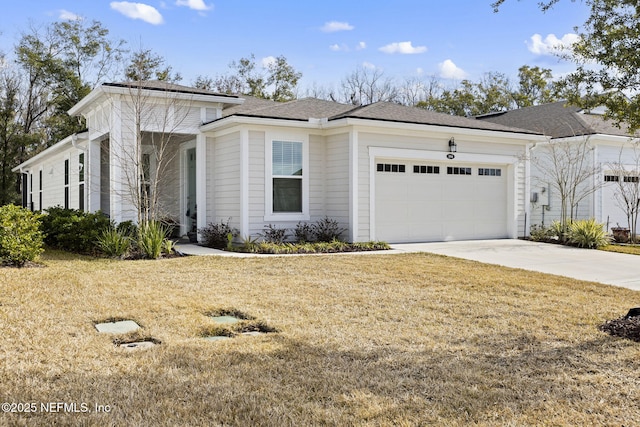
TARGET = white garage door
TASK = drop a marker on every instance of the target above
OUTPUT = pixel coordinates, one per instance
(430, 201)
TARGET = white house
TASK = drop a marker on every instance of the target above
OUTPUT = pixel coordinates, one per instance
(612, 156)
(384, 171)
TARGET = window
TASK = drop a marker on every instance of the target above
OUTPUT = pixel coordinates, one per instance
(426, 169)
(66, 184)
(40, 190)
(81, 181)
(287, 176)
(489, 172)
(388, 167)
(611, 178)
(31, 191)
(458, 171)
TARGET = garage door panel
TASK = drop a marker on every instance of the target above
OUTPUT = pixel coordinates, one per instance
(435, 207)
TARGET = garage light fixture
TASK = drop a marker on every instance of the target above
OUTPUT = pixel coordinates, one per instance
(452, 146)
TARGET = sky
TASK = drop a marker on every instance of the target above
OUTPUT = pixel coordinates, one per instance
(324, 40)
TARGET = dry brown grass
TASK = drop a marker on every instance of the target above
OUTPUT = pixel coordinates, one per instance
(362, 340)
(623, 249)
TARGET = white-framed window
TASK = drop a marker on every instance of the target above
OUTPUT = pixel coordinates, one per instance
(81, 181)
(287, 178)
(66, 183)
(40, 189)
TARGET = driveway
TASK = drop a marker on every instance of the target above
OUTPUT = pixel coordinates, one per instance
(584, 264)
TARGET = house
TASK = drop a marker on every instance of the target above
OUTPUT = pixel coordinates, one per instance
(611, 158)
(383, 171)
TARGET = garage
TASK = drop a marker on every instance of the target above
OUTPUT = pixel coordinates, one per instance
(420, 201)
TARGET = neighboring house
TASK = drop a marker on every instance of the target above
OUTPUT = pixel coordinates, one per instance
(610, 155)
(384, 171)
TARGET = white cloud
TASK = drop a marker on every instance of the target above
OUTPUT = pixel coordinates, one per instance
(449, 70)
(140, 11)
(194, 4)
(335, 26)
(405, 48)
(419, 71)
(69, 16)
(342, 47)
(369, 65)
(267, 60)
(551, 44)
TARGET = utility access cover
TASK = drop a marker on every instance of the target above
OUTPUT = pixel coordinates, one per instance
(121, 327)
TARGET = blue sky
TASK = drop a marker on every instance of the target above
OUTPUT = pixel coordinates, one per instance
(325, 40)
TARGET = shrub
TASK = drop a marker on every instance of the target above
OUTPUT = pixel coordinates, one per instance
(556, 229)
(303, 232)
(114, 242)
(151, 239)
(215, 235)
(21, 238)
(273, 234)
(587, 233)
(128, 228)
(327, 230)
(540, 233)
(73, 230)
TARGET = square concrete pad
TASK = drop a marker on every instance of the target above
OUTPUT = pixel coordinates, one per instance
(225, 319)
(122, 327)
(217, 338)
(140, 345)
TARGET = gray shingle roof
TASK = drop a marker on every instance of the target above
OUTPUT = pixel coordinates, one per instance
(388, 111)
(300, 109)
(557, 120)
(304, 109)
(169, 87)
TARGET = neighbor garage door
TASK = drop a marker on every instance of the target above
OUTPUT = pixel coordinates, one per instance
(430, 201)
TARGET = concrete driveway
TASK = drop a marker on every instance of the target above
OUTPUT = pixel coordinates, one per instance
(584, 264)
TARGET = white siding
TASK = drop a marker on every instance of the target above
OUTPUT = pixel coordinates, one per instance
(337, 179)
(256, 182)
(541, 178)
(223, 164)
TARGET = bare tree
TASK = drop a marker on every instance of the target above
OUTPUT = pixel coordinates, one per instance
(366, 86)
(567, 166)
(153, 115)
(626, 175)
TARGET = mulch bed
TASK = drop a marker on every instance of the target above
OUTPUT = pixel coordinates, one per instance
(626, 327)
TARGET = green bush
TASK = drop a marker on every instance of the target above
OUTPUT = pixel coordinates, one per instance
(587, 233)
(216, 235)
(151, 239)
(540, 233)
(73, 230)
(21, 238)
(114, 242)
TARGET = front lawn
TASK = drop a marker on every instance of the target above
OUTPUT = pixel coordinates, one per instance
(412, 339)
(623, 249)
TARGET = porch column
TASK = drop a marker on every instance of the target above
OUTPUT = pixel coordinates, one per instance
(92, 175)
(201, 181)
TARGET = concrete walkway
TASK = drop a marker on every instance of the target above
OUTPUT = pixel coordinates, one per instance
(583, 264)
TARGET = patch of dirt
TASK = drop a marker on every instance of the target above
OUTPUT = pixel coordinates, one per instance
(624, 327)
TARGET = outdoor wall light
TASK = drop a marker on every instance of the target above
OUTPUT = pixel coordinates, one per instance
(452, 146)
